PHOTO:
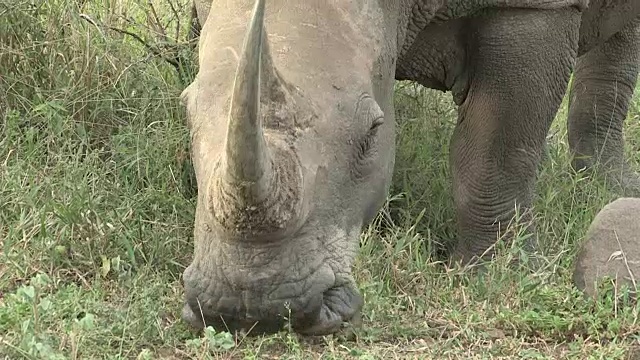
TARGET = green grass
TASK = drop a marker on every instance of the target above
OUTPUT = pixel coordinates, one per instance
(96, 212)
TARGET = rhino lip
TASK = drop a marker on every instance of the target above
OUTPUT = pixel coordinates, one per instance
(337, 306)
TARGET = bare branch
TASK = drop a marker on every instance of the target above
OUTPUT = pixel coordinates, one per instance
(177, 17)
(155, 22)
(153, 49)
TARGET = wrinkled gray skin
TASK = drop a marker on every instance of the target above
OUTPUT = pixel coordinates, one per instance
(293, 133)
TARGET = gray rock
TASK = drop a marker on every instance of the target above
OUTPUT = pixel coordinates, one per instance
(611, 248)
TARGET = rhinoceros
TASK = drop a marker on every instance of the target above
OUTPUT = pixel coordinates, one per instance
(291, 116)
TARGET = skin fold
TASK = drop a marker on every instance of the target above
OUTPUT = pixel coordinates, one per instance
(292, 124)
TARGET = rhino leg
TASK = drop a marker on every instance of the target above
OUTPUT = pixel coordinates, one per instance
(519, 66)
(604, 82)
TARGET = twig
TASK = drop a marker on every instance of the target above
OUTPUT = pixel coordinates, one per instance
(154, 50)
(155, 22)
(151, 48)
(88, 19)
(177, 17)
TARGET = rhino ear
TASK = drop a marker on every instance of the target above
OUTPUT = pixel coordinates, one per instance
(246, 159)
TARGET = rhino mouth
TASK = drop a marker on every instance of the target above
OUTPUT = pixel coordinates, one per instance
(340, 305)
(323, 314)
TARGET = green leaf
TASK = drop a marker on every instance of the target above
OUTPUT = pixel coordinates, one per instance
(106, 266)
(87, 322)
(27, 292)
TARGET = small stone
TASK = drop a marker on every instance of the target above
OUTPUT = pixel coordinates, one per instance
(611, 248)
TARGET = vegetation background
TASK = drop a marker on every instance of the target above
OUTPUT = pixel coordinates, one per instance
(97, 203)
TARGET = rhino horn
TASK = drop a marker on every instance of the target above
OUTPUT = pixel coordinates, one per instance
(247, 165)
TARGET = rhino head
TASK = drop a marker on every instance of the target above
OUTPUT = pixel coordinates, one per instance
(293, 148)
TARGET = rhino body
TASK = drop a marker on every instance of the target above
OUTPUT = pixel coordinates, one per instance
(292, 124)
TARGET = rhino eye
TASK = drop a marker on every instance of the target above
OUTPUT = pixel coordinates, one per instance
(366, 149)
(368, 141)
